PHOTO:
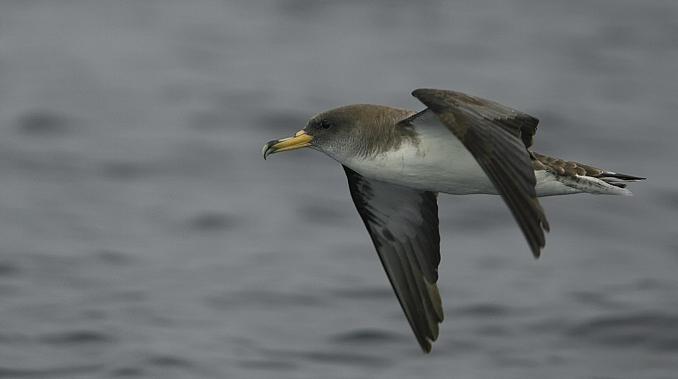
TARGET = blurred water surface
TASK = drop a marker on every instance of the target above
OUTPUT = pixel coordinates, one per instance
(143, 235)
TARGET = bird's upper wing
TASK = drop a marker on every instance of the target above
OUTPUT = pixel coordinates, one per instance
(497, 137)
(517, 123)
(403, 224)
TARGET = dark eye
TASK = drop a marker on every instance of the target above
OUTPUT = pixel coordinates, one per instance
(324, 124)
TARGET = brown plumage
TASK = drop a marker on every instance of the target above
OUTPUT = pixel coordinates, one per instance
(565, 168)
(383, 133)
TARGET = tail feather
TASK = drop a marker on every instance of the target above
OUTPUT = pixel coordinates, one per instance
(616, 184)
(625, 177)
(583, 177)
(617, 179)
(589, 184)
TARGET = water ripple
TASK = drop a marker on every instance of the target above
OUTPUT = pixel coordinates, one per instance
(658, 331)
(41, 122)
(488, 310)
(213, 222)
(77, 337)
(365, 293)
(333, 357)
(172, 361)
(363, 336)
(9, 372)
(267, 364)
(262, 298)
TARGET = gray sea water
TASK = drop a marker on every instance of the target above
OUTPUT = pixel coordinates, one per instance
(142, 235)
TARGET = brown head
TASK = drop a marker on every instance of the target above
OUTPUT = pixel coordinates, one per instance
(352, 130)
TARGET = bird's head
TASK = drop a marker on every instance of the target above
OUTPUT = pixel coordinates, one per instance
(346, 131)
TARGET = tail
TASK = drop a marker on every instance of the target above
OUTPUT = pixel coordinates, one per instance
(617, 179)
(585, 178)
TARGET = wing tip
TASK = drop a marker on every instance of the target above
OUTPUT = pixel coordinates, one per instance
(538, 247)
(420, 91)
(426, 95)
(431, 91)
(426, 344)
(426, 347)
(435, 99)
(536, 253)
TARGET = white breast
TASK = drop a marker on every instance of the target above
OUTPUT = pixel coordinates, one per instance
(438, 162)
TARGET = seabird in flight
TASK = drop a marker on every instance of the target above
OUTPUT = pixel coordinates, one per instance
(397, 161)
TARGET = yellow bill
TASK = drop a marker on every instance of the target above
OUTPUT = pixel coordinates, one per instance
(300, 140)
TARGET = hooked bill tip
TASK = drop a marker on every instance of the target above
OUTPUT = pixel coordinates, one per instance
(266, 149)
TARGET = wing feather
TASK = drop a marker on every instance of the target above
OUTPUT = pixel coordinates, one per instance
(497, 137)
(403, 225)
